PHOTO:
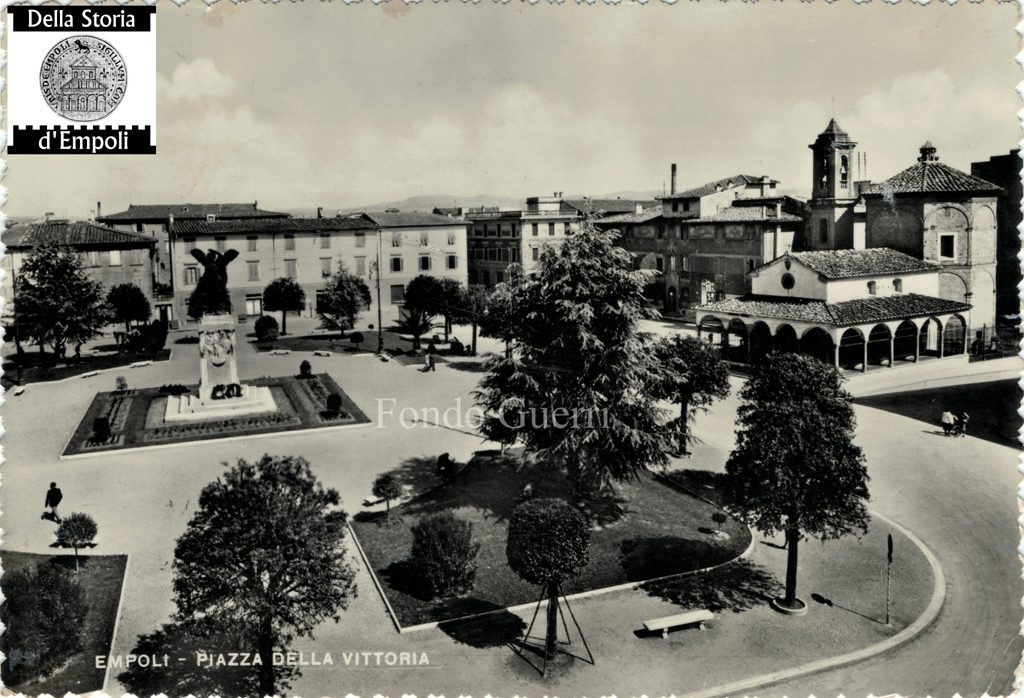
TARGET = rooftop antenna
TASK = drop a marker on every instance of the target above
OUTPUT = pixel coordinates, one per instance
(833, 106)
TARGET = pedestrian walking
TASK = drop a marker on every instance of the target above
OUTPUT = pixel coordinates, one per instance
(428, 362)
(431, 363)
(948, 422)
(53, 498)
(962, 420)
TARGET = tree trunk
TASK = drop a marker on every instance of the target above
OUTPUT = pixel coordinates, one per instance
(447, 327)
(474, 338)
(127, 326)
(266, 652)
(792, 544)
(387, 503)
(76, 559)
(284, 322)
(551, 642)
(684, 427)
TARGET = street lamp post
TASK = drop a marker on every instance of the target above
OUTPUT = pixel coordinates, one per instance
(380, 311)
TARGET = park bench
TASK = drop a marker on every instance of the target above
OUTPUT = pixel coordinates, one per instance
(689, 618)
(90, 374)
(321, 352)
(281, 352)
(139, 364)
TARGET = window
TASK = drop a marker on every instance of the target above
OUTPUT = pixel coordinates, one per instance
(191, 274)
(947, 246)
(534, 253)
(250, 243)
(506, 232)
(685, 263)
(675, 206)
(115, 258)
(671, 263)
(533, 229)
(254, 270)
(325, 241)
(823, 231)
(453, 261)
(222, 243)
(452, 238)
(844, 171)
(136, 257)
(897, 285)
(750, 265)
(686, 205)
(424, 263)
(503, 255)
(325, 267)
(289, 241)
(397, 293)
(499, 277)
(872, 288)
(551, 229)
(360, 266)
(360, 239)
(253, 305)
(290, 270)
(396, 264)
(660, 263)
(424, 241)
(661, 232)
(788, 281)
(515, 254)
(140, 227)
(396, 239)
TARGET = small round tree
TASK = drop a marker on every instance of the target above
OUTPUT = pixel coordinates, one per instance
(44, 618)
(357, 339)
(128, 304)
(548, 542)
(387, 487)
(284, 294)
(444, 552)
(77, 531)
(266, 328)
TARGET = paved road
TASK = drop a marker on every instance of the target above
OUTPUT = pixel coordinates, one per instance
(965, 510)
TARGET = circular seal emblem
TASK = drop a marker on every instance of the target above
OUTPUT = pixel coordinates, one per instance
(83, 78)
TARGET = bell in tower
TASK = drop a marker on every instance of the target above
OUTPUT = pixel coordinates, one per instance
(833, 151)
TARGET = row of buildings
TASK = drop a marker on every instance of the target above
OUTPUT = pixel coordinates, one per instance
(711, 245)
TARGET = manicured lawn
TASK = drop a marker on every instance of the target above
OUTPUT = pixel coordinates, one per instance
(136, 416)
(38, 368)
(102, 577)
(337, 343)
(992, 408)
(650, 530)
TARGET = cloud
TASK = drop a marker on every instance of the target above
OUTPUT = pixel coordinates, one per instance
(195, 81)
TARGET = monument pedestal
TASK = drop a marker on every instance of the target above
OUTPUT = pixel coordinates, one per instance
(221, 395)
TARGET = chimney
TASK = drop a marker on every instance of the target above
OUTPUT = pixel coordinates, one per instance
(319, 211)
(99, 210)
(48, 216)
(672, 189)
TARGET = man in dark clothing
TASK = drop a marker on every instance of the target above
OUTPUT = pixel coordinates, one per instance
(53, 497)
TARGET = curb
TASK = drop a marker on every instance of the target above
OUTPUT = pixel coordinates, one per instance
(117, 622)
(97, 372)
(927, 617)
(373, 576)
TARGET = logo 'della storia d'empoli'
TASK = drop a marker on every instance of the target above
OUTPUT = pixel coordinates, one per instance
(83, 78)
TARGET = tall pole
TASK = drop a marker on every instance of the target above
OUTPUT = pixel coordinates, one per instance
(380, 311)
(888, 578)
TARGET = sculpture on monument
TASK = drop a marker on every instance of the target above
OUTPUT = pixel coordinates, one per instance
(221, 394)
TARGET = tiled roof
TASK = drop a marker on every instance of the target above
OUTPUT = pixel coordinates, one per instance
(645, 216)
(844, 264)
(72, 234)
(268, 226)
(409, 219)
(744, 214)
(148, 212)
(717, 185)
(931, 177)
(855, 312)
(608, 206)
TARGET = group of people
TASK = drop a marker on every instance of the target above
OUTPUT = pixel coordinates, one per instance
(954, 423)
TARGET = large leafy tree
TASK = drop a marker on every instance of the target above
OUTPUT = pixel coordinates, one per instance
(344, 297)
(470, 309)
(503, 310)
(548, 542)
(264, 552)
(795, 468)
(693, 375)
(423, 301)
(128, 304)
(449, 295)
(575, 391)
(284, 294)
(56, 302)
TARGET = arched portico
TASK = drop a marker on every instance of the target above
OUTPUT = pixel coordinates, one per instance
(737, 341)
(905, 342)
(954, 336)
(786, 341)
(930, 338)
(760, 341)
(711, 329)
(853, 350)
(880, 345)
(816, 343)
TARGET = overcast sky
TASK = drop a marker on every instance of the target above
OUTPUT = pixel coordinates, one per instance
(334, 105)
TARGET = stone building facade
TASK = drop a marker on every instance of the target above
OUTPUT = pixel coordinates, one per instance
(1004, 171)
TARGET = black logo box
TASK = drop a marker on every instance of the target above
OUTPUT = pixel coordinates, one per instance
(130, 140)
(96, 18)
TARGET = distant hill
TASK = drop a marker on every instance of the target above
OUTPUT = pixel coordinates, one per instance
(429, 202)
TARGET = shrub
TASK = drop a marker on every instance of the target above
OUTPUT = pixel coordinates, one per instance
(305, 369)
(174, 389)
(444, 552)
(77, 531)
(357, 339)
(333, 404)
(44, 615)
(719, 517)
(101, 429)
(122, 384)
(266, 328)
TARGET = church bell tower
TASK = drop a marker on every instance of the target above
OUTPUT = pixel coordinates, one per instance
(833, 191)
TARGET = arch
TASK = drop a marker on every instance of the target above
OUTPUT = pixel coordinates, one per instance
(851, 349)
(905, 341)
(786, 341)
(672, 299)
(953, 287)
(710, 328)
(879, 345)
(760, 341)
(737, 341)
(954, 336)
(930, 337)
(817, 344)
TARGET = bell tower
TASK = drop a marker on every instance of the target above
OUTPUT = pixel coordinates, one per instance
(833, 191)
